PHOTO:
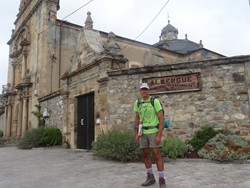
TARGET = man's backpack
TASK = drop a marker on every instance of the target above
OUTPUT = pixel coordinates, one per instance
(166, 120)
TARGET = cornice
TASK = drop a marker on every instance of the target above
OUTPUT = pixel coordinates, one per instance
(23, 85)
(180, 66)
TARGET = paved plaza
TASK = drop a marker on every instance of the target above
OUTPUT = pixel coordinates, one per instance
(68, 168)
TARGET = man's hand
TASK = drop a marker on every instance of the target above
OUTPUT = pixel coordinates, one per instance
(137, 137)
(158, 139)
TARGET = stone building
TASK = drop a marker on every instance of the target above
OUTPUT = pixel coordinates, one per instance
(86, 80)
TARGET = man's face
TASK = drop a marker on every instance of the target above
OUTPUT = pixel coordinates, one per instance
(144, 92)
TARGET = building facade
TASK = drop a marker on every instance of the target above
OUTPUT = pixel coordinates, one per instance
(87, 80)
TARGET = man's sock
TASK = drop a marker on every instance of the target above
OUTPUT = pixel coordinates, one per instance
(161, 174)
(150, 170)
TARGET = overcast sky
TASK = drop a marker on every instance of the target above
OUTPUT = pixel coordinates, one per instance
(222, 25)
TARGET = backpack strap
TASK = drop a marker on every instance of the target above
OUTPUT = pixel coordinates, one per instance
(152, 101)
(139, 102)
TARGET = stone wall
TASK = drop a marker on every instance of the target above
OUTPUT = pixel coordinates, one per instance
(54, 105)
(223, 101)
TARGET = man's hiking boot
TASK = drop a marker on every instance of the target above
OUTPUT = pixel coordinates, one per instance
(150, 180)
(162, 183)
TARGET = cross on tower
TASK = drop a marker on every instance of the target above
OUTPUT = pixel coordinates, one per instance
(168, 18)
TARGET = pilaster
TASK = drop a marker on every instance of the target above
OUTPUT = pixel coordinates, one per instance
(20, 114)
(9, 121)
(25, 116)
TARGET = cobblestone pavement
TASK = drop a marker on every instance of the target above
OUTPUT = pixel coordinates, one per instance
(66, 168)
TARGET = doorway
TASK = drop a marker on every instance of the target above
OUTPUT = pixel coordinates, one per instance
(85, 121)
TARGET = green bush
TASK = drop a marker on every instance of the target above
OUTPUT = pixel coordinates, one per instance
(122, 146)
(225, 148)
(52, 136)
(201, 137)
(32, 138)
(40, 137)
(1, 134)
(117, 145)
(173, 148)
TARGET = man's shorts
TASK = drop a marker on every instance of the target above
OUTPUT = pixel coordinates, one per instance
(148, 141)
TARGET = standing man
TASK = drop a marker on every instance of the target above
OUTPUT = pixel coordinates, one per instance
(152, 121)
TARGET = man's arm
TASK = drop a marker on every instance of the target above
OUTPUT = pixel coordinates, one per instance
(161, 121)
(160, 115)
(161, 126)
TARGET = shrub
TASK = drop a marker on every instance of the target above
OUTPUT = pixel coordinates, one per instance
(201, 137)
(40, 137)
(117, 145)
(122, 146)
(225, 148)
(32, 138)
(52, 136)
(173, 148)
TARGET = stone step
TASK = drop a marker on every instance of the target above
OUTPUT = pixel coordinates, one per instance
(7, 142)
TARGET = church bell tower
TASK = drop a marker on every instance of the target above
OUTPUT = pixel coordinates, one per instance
(30, 47)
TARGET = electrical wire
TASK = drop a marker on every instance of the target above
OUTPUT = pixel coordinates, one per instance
(38, 35)
(149, 23)
(152, 20)
(67, 16)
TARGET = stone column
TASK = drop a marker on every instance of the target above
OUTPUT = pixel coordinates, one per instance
(13, 76)
(66, 112)
(24, 62)
(14, 126)
(22, 75)
(103, 106)
(20, 115)
(25, 116)
(9, 121)
(5, 120)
